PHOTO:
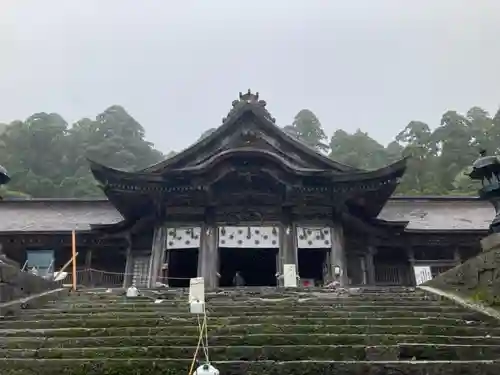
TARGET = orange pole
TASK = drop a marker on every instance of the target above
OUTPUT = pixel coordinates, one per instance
(73, 256)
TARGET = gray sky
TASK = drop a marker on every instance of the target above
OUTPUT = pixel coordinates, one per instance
(177, 65)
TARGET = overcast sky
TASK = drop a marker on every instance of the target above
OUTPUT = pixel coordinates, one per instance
(177, 65)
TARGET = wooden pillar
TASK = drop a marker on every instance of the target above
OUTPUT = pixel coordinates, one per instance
(208, 256)
(287, 253)
(87, 267)
(338, 256)
(88, 259)
(370, 265)
(457, 257)
(129, 264)
(157, 250)
(411, 260)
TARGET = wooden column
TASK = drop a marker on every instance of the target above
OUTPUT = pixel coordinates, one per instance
(208, 256)
(88, 266)
(287, 252)
(457, 257)
(370, 265)
(129, 264)
(157, 250)
(338, 256)
(411, 260)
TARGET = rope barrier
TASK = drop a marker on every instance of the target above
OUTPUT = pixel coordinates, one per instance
(203, 329)
(132, 274)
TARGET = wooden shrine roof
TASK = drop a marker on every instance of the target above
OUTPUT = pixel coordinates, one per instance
(265, 164)
(424, 214)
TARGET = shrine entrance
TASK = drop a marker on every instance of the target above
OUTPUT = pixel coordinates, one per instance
(256, 266)
(312, 266)
(313, 252)
(182, 266)
(251, 251)
(181, 256)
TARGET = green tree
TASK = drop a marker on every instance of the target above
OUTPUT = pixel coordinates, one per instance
(358, 150)
(416, 138)
(46, 158)
(308, 129)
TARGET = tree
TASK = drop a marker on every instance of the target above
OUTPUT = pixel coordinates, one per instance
(416, 138)
(46, 158)
(358, 150)
(308, 129)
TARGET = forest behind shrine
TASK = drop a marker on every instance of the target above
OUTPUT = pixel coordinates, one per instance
(47, 157)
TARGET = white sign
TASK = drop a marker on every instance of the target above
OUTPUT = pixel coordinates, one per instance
(422, 274)
(197, 290)
(249, 237)
(289, 276)
(183, 238)
(314, 237)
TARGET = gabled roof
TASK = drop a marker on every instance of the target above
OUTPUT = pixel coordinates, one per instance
(248, 109)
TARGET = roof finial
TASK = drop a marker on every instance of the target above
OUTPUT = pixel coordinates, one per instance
(249, 97)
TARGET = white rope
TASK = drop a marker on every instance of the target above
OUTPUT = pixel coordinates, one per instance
(202, 341)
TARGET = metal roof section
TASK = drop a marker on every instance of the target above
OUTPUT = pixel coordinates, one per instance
(428, 214)
(55, 216)
(422, 214)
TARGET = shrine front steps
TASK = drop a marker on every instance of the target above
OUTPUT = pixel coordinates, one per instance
(298, 333)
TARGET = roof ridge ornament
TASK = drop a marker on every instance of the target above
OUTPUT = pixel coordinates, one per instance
(249, 98)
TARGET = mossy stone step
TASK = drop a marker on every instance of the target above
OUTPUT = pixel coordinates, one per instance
(466, 315)
(256, 303)
(275, 353)
(175, 321)
(238, 308)
(279, 339)
(210, 298)
(217, 353)
(256, 328)
(85, 366)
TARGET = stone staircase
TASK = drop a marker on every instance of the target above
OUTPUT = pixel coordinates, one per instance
(253, 331)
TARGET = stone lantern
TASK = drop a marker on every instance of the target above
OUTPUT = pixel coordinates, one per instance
(4, 177)
(487, 170)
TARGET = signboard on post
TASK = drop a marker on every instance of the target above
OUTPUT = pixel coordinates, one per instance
(197, 295)
(289, 276)
(197, 290)
(422, 274)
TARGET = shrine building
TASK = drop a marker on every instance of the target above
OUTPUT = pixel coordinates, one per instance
(251, 198)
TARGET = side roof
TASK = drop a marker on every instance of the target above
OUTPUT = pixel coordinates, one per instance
(423, 214)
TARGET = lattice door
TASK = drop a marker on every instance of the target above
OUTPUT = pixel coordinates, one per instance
(140, 271)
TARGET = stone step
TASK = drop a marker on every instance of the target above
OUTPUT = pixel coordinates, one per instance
(279, 339)
(275, 353)
(243, 308)
(211, 297)
(329, 313)
(125, 366)
(174, 321)
(244, 329)
(265, 290)
(253, 302)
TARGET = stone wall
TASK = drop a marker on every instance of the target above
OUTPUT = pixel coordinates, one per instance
(478, 279)
(20, 289)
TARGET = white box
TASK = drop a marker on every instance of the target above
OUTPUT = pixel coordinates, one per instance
(290, 276)
(196, 307)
